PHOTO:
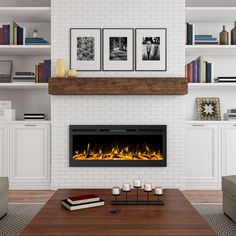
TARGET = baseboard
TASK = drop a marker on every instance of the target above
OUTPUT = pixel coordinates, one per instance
(29, 186)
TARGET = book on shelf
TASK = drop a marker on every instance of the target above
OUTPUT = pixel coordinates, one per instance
(190, 29)
(13, 34)
(28, 77)
(199, 71)
(230, 114)
(225, 80)
(83, 199)
(43, 71)
(35, 116)
(71, 207)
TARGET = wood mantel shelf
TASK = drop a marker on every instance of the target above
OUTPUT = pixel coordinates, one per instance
(118, 86)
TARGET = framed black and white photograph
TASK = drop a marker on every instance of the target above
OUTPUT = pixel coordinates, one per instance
(151, 51)
(118, 49)
(85, 49)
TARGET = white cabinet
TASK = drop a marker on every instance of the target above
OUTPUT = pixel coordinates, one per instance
(4, 150)
(29, 155)
(202, 156)
(228, 136)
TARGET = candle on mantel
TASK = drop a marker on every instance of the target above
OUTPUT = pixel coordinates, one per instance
(116, 191)
(126, 187)
(147, 187)
(158, 191)
(137, 183)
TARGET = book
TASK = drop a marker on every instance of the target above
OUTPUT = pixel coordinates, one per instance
(71, 207)
(194, 80)
(26, 73)
(20, 40)
(189, 72)
(206, 43)
(203, 36)
(233, 110)
(41, 73)
(47, 70)
(13, 25)
(205, 39)
(1, 36)
(208, 72)
(6, 34)
(83, 199)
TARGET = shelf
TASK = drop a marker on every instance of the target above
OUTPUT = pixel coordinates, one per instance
(24, 86)
(26, 122)
(203, 122)
(210, 14)
(214, 86)
(25, 14)
(210, 50)
(25, 50)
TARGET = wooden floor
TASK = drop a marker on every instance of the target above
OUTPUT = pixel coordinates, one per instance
(30, 196)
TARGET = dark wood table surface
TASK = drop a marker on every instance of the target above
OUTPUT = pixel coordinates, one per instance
(176, 217)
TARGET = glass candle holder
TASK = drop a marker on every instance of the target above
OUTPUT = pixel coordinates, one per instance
(126, 188)
(116, 192)
(147, 189)
(137, 185)
(158, 191)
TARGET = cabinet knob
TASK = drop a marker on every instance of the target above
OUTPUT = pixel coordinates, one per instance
(30, 125)
(198, 125)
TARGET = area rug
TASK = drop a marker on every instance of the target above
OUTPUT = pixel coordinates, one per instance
(19, 215)
(214, 216)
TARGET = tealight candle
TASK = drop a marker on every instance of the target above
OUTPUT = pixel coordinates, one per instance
(115, 191)
(126, 187)
(147, 187)
(158, 191)
(137, 183)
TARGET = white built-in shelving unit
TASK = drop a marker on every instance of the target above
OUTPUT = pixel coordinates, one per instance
(208, 17)
(31, 14)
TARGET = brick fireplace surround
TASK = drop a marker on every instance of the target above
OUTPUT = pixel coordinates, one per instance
(119, 109)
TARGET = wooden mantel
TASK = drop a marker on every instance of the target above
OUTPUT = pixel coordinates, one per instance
(118, 86)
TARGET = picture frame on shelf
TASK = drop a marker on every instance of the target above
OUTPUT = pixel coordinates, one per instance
(118, 49)
(5, 71)
(151, 49)
(208, 108)
(85, 49)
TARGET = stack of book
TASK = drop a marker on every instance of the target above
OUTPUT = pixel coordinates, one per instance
(205, 40)
(24, 77)
(189, 34)
(12, 34)
(35, 116)
(43, 71)
(225, 80)
(199, 71)
(36, 41)
(82, 202)
(230, 115)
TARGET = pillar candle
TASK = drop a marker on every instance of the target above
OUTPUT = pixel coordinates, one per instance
(115, 191)
(126, 187)
(147, 187)
(137, 183)
(158, 191)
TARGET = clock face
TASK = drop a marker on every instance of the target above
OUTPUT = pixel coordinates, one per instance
(208, 108)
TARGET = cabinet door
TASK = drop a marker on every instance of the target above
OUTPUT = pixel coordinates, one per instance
(228, 136)
(202, 159)
(29, 153)
(4, 154)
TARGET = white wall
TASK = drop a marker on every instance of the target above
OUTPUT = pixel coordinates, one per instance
(168, 110)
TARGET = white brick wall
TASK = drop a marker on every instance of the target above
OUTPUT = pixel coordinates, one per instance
(168, 110)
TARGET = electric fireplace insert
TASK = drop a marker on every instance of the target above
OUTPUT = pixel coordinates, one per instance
(117, 145)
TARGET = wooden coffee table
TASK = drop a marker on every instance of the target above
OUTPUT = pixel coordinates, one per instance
(176, 217)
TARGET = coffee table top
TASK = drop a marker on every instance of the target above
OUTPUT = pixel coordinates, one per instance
(176, 217)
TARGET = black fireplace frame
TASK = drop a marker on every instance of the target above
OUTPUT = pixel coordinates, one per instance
(118, 130)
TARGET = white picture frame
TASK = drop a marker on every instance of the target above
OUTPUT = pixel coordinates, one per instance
(85, 49)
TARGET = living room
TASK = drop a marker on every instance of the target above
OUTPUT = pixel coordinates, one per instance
(125, 108)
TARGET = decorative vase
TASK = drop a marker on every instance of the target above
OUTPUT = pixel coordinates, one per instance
(224, 37)
(60, 68)
(233, 35)
(72, 73)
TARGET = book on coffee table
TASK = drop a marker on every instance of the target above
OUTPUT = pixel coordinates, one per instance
(83, 199)
(71, 207)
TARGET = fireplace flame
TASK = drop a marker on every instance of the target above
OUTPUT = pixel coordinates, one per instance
(118, 153)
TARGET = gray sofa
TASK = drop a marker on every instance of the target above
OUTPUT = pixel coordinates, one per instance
(3, 196)
(229, 196)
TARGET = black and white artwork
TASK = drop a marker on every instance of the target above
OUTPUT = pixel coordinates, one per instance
(118, 49)
(151, 49)
(85, 49)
